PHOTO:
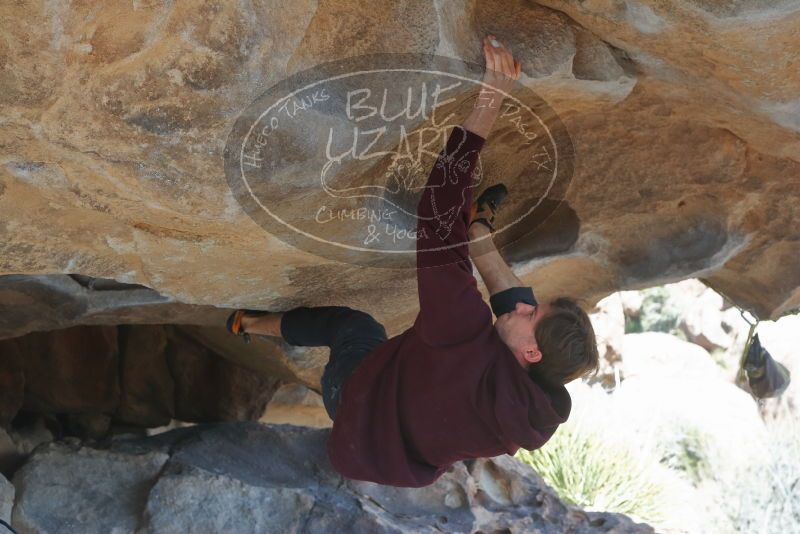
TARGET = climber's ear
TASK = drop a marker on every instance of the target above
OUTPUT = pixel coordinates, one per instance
(532, 354)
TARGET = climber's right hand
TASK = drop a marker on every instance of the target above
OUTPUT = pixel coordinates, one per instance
(502, 70)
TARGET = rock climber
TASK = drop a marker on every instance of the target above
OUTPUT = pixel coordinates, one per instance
(455, 385)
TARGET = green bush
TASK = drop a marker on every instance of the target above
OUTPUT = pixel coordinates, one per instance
(660, 312)
(590, 471)
(687, 452)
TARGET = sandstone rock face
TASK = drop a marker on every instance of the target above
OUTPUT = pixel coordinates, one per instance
(74, 370)
(247, 477)
(88, 378)
(12, 381)
(297, 405)
(683, 116)
(608, 321)
(39, 303)
(147, 389)
(208, 388)
(50, 302)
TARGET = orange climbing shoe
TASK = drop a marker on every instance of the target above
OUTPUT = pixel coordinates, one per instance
(234, 322)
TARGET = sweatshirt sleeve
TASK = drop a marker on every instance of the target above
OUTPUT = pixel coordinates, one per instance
(452, 309)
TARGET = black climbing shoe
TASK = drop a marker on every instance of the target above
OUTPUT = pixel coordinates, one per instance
(234, 322)
(491, 198)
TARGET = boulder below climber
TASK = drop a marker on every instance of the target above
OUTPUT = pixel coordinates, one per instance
(250, 477)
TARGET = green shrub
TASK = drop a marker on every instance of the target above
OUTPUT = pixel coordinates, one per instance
(588, 470)
(687, 452)
(660, 312)
(633, 325)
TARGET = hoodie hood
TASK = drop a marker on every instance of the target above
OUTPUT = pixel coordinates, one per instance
(527, 413)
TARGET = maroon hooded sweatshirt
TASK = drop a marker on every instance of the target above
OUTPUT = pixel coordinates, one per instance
(448, 388)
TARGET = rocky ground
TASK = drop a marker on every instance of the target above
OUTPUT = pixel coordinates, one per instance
(249, 477)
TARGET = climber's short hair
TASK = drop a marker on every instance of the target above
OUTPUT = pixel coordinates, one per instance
(567, 342)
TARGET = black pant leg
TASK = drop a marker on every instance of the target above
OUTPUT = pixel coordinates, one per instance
(350, 334)
(313, 327)
(337, 327)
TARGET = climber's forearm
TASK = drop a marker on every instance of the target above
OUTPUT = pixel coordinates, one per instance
(484, 113)
(494, 270)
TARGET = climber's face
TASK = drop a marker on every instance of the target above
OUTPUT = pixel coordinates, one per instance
(517, 330)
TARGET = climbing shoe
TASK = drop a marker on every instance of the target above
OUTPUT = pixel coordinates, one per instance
(490, 199)
(234, 322)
